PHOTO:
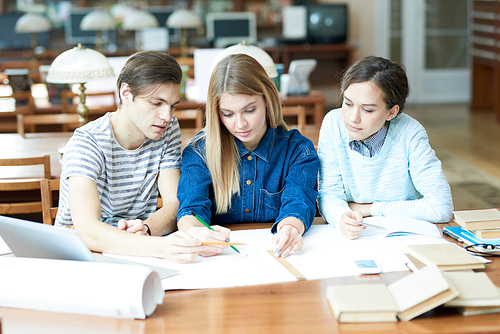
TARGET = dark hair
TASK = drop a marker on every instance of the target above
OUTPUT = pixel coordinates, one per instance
(148, 68)
(388, 75)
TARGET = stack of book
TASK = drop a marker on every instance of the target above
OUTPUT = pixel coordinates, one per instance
(404, 299)
(485, 223)
(477, 293)
(444, 278)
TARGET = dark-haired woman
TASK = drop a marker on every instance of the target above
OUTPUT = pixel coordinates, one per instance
(374, 160)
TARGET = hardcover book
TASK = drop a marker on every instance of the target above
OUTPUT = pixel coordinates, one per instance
(475, 289)
(406, 298)
(478, 219)
(488, 233)
(446, 256)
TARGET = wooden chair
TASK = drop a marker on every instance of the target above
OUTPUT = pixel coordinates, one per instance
(300, 113)
(20, 103)
(15, 185)
(70, 120)
(49, 211)
(192, 114)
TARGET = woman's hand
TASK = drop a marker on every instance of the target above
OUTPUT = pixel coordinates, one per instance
(219, 234)
(350, 224)
(288, 239)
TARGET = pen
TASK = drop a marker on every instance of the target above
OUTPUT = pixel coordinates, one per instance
(223, 243)
(209, 227)
(445, 232)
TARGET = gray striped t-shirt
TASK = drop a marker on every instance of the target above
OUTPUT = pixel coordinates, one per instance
(126, 179)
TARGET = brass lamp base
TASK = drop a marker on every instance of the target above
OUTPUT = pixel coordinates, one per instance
(81, 109)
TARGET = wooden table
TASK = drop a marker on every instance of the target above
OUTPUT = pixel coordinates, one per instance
(292, 307)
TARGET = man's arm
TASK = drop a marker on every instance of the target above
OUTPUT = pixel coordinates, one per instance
(164, 220)
(85, 208)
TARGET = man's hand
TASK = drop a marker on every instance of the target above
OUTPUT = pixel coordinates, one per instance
(135, 226)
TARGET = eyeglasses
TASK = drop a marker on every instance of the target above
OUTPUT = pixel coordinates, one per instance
(486, 250)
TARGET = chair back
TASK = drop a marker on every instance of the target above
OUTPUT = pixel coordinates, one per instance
(71, 121)
(192, 114)
(23, 203)
(49, 210)
(299, 112)
(30, 161)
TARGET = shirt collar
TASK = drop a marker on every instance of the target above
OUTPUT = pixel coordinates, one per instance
(265, 148)
(373, 143)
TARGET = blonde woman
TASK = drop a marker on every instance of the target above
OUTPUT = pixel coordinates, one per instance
(246, 165)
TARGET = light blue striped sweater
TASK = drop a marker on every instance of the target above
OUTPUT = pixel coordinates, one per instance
(404, 179)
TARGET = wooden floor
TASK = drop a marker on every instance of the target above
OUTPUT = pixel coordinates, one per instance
(468, 145)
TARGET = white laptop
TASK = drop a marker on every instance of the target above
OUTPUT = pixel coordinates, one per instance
(36, 240)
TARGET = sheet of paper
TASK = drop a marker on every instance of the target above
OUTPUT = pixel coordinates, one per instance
(326, 253)
(89, 288)
(4, 249)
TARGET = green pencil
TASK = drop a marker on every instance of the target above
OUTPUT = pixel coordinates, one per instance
(208, 226)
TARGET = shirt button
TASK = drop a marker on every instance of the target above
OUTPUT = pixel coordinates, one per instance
(249, 158)
(249, 182)
(247, 210)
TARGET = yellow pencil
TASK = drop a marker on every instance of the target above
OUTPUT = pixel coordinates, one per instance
(223, 243)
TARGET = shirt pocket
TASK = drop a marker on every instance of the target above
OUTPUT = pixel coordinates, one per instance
(269, 205)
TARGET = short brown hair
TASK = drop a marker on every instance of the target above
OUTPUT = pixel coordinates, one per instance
(148, 68)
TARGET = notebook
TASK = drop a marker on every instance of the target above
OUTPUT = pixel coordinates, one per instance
(392, 226)
(35, 240)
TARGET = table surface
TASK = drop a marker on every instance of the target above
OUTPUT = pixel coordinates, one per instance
(292, 307)
(12, 145)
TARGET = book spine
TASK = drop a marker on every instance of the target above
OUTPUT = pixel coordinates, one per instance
(487, 234)
(481, 225)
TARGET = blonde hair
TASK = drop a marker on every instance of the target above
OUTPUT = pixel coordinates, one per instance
(237, 74)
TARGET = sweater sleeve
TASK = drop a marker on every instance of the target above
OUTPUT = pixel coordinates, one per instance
(332, 201)
(435, 204)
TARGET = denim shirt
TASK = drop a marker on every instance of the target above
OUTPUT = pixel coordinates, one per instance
(277, 180)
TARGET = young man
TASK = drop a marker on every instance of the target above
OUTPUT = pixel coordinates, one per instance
(113, 168)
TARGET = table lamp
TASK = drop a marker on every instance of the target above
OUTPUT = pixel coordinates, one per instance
(138, 20)
(253, 51)
(78, 66)
(97, 20)
(32, 23)
(183, 19)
